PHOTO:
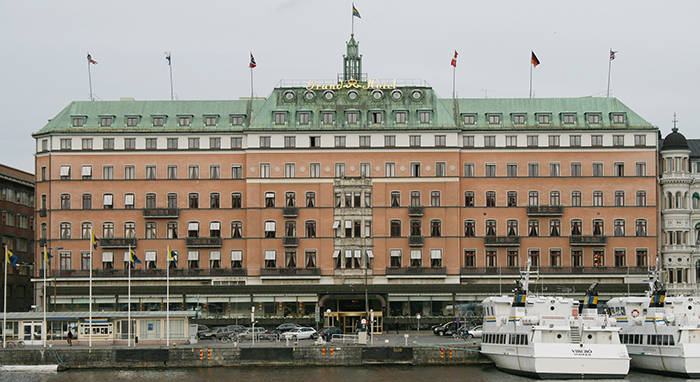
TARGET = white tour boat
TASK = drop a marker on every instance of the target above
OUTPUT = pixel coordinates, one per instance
(662, 333)
(546, 337)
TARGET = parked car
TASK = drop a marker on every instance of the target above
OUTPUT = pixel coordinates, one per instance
(248, 333)
(475, 332)
(216, 334)
(236, 328)
(446, 329)
(201, 329)
(287, 327)
(327, 333)
(302, 333)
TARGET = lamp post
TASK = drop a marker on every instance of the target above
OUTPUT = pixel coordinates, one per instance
(44, 330)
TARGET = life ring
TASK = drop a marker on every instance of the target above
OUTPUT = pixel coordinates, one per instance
(635, 313)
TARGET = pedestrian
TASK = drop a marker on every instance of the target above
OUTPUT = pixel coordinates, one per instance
(396, 326)
(70, 338)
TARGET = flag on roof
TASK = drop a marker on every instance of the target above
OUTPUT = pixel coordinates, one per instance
(612, 54)
(252, 62)
(454, 60)
(534, 60)
(167, 57)
(355, 12)
(90, 60)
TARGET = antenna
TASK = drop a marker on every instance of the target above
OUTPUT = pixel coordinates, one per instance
(486, 92)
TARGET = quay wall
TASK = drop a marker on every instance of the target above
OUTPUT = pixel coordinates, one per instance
(197, 356)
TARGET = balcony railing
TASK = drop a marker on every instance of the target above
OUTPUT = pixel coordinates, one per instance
(42, 213)
(416, 271)
(415, 241)
(290, 212)
(556, 270)
(155, 213)
(415, 211)
(290, 241)
(545, 210)
(123, 242)
(588, 240)
(501, 241)
(203, 242)
(175, 272)
(292, 272)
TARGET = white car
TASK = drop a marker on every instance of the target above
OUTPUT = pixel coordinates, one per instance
(476, 331)
(303, 333)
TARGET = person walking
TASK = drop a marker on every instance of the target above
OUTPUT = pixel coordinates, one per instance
(396, 326)
(70, 338)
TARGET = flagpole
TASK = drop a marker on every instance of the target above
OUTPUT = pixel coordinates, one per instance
(128, 335)
(92, 237)
(531, 65)
(172, 94)
(90, 78)
(4, 305)
(167, 297)
(43, 308)
(609, 67)
(454, 76)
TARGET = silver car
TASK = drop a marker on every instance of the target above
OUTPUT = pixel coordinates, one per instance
(303, 333)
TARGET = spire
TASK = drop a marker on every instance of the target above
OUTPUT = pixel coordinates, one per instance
(352, 68)
(675, 120)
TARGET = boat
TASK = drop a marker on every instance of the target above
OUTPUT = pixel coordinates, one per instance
(662, 333)
(30, 368)
(546, 337)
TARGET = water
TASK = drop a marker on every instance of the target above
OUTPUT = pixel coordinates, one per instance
(476, 373)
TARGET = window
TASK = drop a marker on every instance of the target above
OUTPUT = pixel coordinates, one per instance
(339, 170)
(576, 169)
(214, 229)
(490, 141)
(596, 140)
(264, 170)
(424, 116)
(236, 229)
(640, 227)
(414, 140)
(365, 141)
(314, 170)
(150, 200)
(619, 198)
(576, 227)
(597, 198)
(618, 140)
(107, 201)
(554, 198)
(533, 198)
(641, 169)
(619, 227)
(395, 198)
(554, 169)
(129, 230)
(641, 200)
(468, 141)
(129, 172)
(554, 141)
(193, 200)
(151, 230)
(87, 144)
(490, 199)
(108, 172)
(151, 143)
(415, 199)
(65, 230)
(86, 172)
(236, 200)
(265, 142)
(533, 228)
(598, 227)
(519, 119)
(158, 121)
(150, 172)
(469, 119)
(78, 121)
(184, 120)
(593, 118)
(469, 170)
(619, 169)
(640, 140)
(314, 141)
(435, 198)
(512, 198)
(469, 258)
(511, 140)
(172, 230)
(171, 171)
(543, 119)
(108, 230)
(395, 228)
(416, 258)
(440, 140)
(289, 170)
(575, 140)
(568, 119)
(620, 258)
(490, 228)
(390, 170)
(555, 257)
(108, 143)
(214, 200)
(269, 200)
(172, 200)
(469, 198)
(415, 169)
(310, 199)
(375, 117)
(352, 117)
(490, 170)
(512, 228)
(532, 141)
(304, 117)
(597, 169)
(440, 170)
(435, 228)
(129, 143)
(555, 227)
(469, 228)
(533, 169)
(65, 172)
(236, 142)
(339, 141)
(87, 201)
(513, 258)
(215, 143)
(494, 119)
(310, 228)
(491, 258)
(129, 201)
(400, 116)
(290, 199)
(576, 198)
(193, 229)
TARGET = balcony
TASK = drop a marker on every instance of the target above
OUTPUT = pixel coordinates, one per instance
(290, 272)
(161, 213)
(42, 213)
(290, 241)
(415, 211)
(175, 272)
(545, 210)
(474, 271)
(501, 241)
(203, 242)
(123, 242)
(416, 271)
(588, 240)
(415, 241)
(290, 212)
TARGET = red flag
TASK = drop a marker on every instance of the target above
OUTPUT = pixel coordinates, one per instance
(252, 62)
(90, 60)
(534, 60)
(454, 60)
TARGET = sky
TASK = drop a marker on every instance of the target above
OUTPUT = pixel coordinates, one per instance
(43, 48)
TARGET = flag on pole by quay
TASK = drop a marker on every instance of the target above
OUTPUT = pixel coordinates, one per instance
(612, 54)
(11, 258)
(90, 60)
(93, 239)
(48, 257)
(454, 60)
(133, 257)
(252, 61)
(534, 60)
(172, 256)
(355, 12)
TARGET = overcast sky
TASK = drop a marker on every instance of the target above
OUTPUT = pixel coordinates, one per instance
(44, 45)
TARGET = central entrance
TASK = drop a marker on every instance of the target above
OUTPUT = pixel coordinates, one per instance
(348, 311)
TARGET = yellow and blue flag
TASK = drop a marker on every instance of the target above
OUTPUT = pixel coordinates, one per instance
(11, 258)
(93, 239)
(48, 257)
(355, 12)
(134, 258)
(172, 256)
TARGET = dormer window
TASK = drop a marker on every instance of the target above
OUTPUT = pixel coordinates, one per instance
(184, 120)
(376, 117)
(210, 120)
(494, 119)
(519, 119)
(106, 121)
(304, 118)
(593, 118)
(424, 116)
(237, 120)
(78, 121)
(469, 119)
(158, 121)
(132, 121)
(280, 118)
(618, 118)
(568, 119)
(543, 119)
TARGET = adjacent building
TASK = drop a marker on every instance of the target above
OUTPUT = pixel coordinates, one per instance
(344, 195)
